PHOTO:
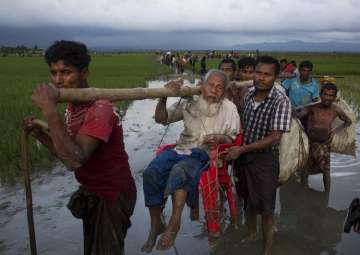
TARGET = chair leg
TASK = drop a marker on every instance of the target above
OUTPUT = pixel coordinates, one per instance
(209, 190)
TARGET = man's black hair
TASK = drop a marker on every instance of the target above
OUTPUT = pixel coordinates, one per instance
(72, 53)
(246, 61)
(228, 61)
(283, 60)
(306, 64)
(329, 86)
(293, 62)
(269, 60)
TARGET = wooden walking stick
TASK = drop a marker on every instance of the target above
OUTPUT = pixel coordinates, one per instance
(27, 182)
(26, 173)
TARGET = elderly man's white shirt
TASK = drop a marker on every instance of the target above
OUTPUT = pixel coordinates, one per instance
(201, 120)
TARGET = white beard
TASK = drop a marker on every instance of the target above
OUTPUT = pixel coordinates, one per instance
(206, 108)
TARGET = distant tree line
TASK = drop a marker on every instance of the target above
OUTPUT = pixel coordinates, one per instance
(20, 50)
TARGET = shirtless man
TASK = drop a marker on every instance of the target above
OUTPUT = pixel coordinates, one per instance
(320, 132)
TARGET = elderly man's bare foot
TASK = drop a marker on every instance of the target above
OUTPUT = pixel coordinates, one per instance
(249, 238)
(167, 239)
(150, 242)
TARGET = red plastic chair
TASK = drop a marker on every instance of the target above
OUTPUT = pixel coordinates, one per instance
(213, 179)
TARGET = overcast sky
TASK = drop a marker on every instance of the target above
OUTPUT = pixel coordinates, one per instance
(225, 22)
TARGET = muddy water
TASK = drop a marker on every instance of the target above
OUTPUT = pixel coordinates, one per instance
(308, 221)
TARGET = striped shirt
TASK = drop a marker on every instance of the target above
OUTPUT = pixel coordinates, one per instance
(260, 119)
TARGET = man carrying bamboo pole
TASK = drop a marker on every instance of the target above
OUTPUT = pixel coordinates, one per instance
(208, 120)
(246, 68)
(90, 143)
(228, 66)
(245, 73)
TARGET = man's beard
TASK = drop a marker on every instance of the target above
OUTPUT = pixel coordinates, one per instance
(206, 108)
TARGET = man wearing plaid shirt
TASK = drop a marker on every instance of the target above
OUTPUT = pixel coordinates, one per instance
(266, 116)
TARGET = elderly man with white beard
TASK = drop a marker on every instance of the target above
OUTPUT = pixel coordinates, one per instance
(209, 119)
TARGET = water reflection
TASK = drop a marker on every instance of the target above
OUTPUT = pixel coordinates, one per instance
(346, 161)
(307, 224)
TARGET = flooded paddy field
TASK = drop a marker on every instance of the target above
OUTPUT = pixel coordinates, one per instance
(308, 221)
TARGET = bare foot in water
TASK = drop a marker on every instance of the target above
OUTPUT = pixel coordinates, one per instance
(249, 238)
(167, 239)
(150, 242)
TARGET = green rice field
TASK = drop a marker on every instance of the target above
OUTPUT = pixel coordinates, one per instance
(19, 75)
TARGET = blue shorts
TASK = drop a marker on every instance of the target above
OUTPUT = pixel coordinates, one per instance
(171, 171)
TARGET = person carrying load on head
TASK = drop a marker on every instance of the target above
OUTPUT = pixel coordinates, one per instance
(209, 119)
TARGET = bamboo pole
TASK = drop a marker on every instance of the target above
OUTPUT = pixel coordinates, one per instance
(240, 84)
(93, 94)
(310, 104)
(313, 76)
(42, 124)
(27, 182)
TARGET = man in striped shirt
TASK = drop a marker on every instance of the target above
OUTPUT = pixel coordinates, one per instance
(266, 116)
